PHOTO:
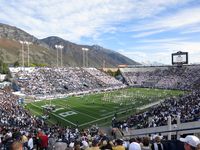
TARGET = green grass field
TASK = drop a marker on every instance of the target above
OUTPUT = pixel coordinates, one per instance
(99, 108)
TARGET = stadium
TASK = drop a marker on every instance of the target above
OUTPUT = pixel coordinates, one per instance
(147, 100)
(60, 95)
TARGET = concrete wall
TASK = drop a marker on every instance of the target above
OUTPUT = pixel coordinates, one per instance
(146, 131)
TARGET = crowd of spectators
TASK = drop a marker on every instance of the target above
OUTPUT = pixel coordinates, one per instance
(18, 127)
(187, 107)
(20, 130)
(52, 81)
(184, 78)
(11, 113)
(103, 76)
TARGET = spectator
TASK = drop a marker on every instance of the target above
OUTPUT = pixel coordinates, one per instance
(134, 145)
(118, 145)
(16, 146)
(198, 147)
(95, 145)
(190, 142)
(146, 144)
(157, 145)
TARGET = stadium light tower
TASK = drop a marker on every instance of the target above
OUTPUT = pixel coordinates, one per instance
(56, 46)
(85, 56)
(61, 52)
(28, 43)
(61, 59)
(22, 52)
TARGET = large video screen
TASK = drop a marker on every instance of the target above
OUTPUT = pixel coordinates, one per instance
(180, 58)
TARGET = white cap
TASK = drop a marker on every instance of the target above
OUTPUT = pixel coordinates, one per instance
(85, 143)
(71, 145)
(191, 140)
(134, 146)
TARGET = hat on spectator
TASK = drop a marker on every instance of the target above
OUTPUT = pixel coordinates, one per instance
(119, 141)
(105, 142)
(95, 142)
(85, 145)
(191, 140)
(71, 145)
(156, 135)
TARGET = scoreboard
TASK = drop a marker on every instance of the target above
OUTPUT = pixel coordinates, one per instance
(180, 58)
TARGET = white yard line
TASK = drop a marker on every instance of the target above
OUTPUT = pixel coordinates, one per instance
(35, 111)
(141, 108)
(96, 119)
(56, 115)
(150, 105)
(101, 118)
(79, 112)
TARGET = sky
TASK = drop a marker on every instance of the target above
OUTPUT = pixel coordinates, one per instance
(143, 30)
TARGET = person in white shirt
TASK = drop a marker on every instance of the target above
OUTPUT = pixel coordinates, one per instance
(30, 142)
(134, 145)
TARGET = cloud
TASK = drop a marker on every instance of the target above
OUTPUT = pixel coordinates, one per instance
(120, 21)
(147, 33)
(183, 18)
(164, 40)
(162, 51)
(73, 20)
(192, 30)
(69, 19)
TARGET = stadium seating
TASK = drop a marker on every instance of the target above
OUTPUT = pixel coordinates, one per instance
(186, 106)
(16, 124)
(53, 81)
(170, 77)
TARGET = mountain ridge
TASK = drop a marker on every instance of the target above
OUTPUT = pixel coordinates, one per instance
(44, 51)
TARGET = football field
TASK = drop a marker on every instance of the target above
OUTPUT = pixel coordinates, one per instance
(87, 110)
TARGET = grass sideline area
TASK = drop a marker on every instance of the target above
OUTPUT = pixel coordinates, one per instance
(87, 110)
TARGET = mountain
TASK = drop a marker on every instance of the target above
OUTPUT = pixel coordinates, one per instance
(154, 63)
(43, 51)
(96, 54)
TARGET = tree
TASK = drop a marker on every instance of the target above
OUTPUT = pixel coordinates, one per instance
(1, 66)
(16, 64)
(113, 73)
(5, 68)
(110, 72)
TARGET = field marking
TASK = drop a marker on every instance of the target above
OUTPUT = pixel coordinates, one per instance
(67, 113)
(71, 108)
(150, 104)
(105, 114)
(102, 111)
(39, 114)
(57, 116)
(104, 117)
(141, 108)
(35, 111)
(138, 96)
(120, 112)
(57, 109)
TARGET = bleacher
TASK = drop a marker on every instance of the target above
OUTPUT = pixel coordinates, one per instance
(54, 81)
(167, 77)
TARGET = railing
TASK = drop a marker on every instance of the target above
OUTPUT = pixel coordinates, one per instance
(176, 131)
